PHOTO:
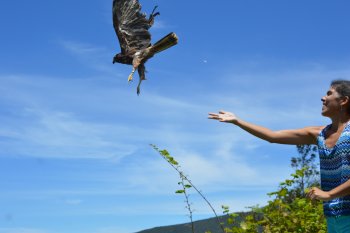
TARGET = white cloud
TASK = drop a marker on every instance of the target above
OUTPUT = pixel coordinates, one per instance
(159, 24)
(215, 169)
(98, 118)
(61, 135)
(80, 48)
(73, 201)
(92, 56)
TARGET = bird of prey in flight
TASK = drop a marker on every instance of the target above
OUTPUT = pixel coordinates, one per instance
(132, 27)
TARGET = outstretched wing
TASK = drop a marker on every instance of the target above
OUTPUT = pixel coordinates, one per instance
(130, 25)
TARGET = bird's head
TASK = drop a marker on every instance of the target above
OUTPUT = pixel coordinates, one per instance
(121, 58)
(117, 58)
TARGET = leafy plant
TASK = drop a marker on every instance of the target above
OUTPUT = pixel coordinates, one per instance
(283, 214)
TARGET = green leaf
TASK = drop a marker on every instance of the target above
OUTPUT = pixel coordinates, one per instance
(283, 192)
(164, 153)
(300, 173)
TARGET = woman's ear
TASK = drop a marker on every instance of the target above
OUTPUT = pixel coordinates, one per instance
(345, 101)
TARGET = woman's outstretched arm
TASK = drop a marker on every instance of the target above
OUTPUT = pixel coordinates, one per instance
(301, 136)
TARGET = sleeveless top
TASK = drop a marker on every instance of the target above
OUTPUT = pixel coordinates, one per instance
(335, 170)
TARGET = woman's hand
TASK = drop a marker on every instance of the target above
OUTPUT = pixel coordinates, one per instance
(316, 193)
(223, 116)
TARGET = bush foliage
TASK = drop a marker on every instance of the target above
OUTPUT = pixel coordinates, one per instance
(283, 214)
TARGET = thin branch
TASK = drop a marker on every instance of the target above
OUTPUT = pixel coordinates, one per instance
(165, 155)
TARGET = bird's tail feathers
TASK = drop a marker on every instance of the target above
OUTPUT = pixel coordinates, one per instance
(164, 43)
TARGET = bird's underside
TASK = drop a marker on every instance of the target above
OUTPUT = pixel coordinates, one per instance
(131, 27)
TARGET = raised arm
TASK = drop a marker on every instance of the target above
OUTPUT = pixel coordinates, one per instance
(301, 136)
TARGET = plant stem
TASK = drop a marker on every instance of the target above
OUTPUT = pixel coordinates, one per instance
(175, 165)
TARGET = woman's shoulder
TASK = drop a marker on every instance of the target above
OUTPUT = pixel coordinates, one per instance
(314, 130)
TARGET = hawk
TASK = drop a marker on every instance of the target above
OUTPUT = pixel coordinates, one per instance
(131, 27)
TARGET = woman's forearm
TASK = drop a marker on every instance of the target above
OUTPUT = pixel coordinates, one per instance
(341, 190)
(256, 130)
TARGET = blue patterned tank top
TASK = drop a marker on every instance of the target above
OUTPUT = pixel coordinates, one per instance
(335, 170)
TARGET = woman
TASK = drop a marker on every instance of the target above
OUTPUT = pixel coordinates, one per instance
(333, 143)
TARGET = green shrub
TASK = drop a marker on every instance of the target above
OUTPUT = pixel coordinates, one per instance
(283, 214)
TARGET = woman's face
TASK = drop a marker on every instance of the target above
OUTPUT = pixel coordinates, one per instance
(331, 103)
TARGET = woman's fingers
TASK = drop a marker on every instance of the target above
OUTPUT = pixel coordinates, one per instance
(222, 116)
(213, 116)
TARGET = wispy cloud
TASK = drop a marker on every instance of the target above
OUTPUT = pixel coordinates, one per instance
(92, 56)
(159, 24)
(73, 201)
(61, 135)
(58, 118)
(96, 118)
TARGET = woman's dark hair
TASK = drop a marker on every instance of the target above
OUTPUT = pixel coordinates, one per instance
(343, 88)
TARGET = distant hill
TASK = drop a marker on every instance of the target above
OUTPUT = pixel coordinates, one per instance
(200, 226)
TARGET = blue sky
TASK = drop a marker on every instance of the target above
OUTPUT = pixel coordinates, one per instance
(74, 136)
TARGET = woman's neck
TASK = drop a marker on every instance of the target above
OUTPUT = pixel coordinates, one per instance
(340, 121)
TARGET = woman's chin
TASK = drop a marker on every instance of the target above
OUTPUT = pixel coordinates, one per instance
(324, 113)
